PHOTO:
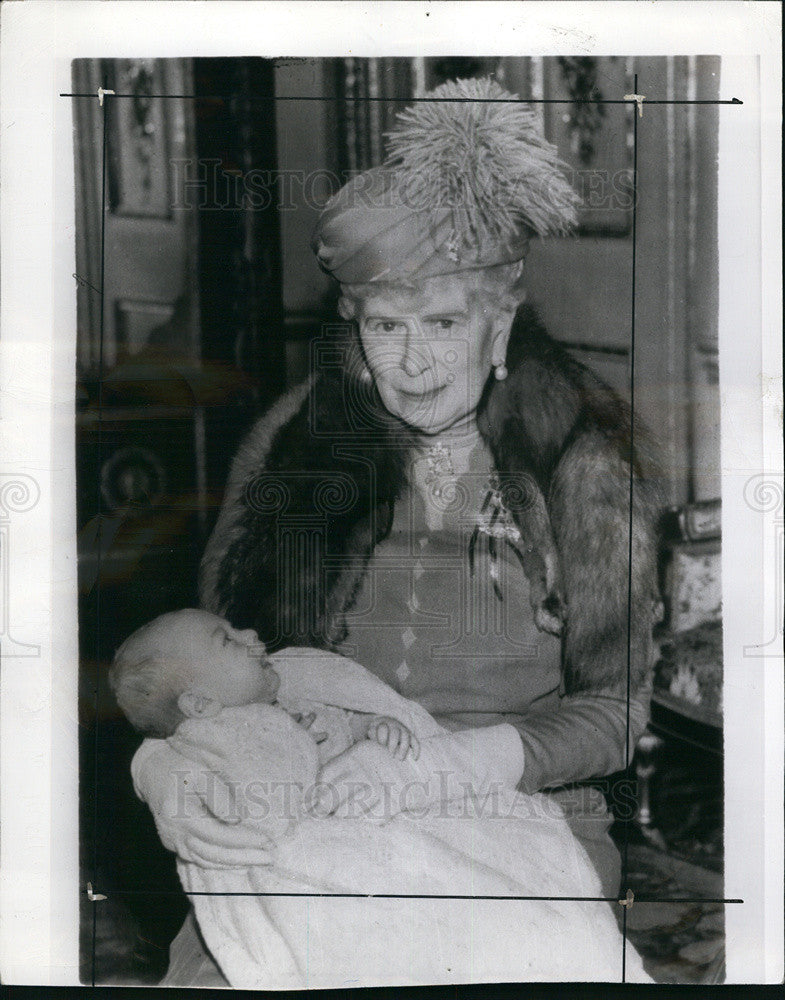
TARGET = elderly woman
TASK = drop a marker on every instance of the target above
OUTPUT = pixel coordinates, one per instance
(450, 499)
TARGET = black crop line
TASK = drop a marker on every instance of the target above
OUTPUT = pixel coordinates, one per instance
(411, 100)
(420, 895)
(99, 443)
(625, 850)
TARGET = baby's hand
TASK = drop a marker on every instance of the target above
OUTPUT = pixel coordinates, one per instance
(393, 735)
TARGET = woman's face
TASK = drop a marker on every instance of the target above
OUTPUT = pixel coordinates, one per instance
(430, 348)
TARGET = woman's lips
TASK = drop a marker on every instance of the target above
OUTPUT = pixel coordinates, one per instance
(427, 393)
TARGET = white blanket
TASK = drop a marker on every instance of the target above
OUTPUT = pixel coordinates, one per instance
(316, 915)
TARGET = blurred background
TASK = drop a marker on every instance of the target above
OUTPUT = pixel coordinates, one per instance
(203, 183)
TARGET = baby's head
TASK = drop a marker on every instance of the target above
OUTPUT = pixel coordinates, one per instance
(188, 665)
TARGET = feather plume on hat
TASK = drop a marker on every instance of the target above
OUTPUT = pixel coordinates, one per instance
(468, 179)
(482, 152)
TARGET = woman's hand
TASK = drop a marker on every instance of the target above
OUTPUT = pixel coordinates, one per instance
(195, 810)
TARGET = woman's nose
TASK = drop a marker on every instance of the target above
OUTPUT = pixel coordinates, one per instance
(414, 361)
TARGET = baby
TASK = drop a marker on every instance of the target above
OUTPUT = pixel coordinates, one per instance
(191, 664)
(267, 742)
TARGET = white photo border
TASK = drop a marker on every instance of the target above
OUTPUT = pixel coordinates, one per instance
(38, 694)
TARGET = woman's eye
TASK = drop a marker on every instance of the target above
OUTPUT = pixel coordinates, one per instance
(387, 326)
(444, 325)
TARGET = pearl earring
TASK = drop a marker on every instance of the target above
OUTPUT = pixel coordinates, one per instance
(500, 372)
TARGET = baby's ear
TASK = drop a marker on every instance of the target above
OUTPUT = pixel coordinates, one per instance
(195, 705)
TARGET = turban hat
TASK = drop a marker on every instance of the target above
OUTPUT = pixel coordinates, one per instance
(468, 179)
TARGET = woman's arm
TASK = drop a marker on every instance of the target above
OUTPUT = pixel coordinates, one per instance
(585, 737)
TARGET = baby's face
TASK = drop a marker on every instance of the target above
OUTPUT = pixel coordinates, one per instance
(224, 663)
